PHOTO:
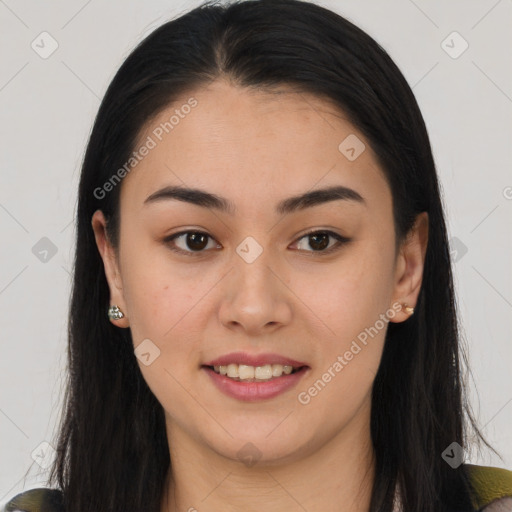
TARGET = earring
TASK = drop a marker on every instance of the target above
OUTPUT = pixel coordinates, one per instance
(408, 309)
(114, 313)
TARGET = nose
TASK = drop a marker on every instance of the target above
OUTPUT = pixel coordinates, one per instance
(256, 299)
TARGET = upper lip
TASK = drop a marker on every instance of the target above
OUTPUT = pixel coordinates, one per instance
(253, 360)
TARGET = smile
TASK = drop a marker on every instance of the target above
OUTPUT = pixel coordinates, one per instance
(243, 372)
(251, 389)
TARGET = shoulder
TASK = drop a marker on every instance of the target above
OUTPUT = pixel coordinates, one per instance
(36, 500)
(493, 487)
(500, 505)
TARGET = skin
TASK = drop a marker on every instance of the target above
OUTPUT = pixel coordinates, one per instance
(256, 149)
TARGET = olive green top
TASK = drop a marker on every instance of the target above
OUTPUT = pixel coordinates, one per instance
(491, 484)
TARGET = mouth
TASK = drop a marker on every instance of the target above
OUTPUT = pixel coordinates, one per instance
(248, 383)
(247, 373)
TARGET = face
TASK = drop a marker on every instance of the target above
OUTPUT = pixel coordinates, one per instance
(313, 281)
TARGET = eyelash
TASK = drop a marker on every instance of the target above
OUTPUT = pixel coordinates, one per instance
(340, 239)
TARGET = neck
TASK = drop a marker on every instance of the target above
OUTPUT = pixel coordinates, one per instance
(337, 476)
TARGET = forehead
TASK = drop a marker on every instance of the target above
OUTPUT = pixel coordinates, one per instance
(253, 146)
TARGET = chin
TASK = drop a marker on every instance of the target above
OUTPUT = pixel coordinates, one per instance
(253, 453)
(261, 443)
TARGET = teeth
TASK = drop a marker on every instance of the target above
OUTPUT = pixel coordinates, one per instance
(233, 370)
(245, 372)
(277, 370)
(264, 372)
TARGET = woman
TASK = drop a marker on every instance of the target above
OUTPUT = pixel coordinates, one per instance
(259, 215)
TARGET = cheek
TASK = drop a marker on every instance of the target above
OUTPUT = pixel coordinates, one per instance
(150, 303)
(162, 317)
(156, 293)
(351, 294)
(352, 303)
(348, 365)
(167, 307)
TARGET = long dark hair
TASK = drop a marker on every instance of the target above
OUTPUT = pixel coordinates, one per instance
(112, 451)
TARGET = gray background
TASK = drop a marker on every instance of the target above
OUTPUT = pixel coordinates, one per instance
(48, 106)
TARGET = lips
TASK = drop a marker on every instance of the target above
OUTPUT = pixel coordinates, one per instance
(254, 360)
(251, 391)
(254, 389)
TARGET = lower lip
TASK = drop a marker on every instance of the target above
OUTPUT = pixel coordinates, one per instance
(255, 391)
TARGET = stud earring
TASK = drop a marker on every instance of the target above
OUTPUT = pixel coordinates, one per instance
(114, 313)
(408, 309)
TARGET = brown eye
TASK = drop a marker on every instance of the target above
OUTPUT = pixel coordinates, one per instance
(195, 242)
(191, 242)
(319, 241)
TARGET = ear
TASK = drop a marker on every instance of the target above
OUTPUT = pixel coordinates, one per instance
(111, 266)
(409, 266)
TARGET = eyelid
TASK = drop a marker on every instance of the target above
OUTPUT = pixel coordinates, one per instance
(341, 241)
(168, 239)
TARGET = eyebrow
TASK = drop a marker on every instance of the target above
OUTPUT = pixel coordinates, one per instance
(205, 199)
